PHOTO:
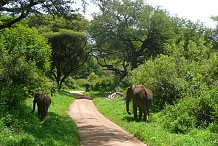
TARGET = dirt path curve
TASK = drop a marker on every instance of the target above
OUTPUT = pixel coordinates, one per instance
(94, 128)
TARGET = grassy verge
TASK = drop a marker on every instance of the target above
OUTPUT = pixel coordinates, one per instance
(152, 133)
(22, 128)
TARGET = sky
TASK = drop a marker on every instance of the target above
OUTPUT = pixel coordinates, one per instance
(192, 10)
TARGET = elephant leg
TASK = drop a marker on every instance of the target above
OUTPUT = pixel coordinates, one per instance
(147, 110)
(140, 115)
(135, 111)
(146, 116)
(39, 113)
(45, 112)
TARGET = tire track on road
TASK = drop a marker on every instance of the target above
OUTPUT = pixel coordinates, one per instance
(95, 129)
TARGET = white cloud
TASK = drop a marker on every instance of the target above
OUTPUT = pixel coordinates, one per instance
(190, 9)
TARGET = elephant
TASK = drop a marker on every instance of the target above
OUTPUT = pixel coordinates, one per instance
(43, 102)
(87, 86)
(142, 98)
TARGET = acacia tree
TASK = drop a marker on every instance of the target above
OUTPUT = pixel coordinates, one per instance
(69, 53)
(21, 9)
(128, 32)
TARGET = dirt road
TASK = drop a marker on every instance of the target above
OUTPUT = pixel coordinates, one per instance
(94, 128)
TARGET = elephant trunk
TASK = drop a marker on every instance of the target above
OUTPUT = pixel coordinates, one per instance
(128, 98)
(127, 107)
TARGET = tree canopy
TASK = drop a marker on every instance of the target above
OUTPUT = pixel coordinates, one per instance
(68, 53)
(129, 31)
(24, 8)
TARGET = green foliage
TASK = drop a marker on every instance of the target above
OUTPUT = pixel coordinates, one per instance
(23, 8)
(187, 71)
(53, 23)
(89, 67)
(68, 53)
(76, 84)
(154, 133)
(128, 32)
(21, 127)
(160, 75)
(190, 113)
(92, 77)
(208, 107)
(24, 60)
(103, 84)
(180, 118)
(68, 41)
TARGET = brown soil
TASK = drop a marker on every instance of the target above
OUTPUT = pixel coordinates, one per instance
(94, 128)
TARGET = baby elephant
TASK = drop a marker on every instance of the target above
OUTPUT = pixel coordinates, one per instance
(43, 102)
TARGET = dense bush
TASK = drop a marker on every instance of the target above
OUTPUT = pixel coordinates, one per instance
(71, 83)
(103, 84)
(188, 114)
(24, 61)
(186, 81)
(180, 118)
(161, 77)
(92, 77)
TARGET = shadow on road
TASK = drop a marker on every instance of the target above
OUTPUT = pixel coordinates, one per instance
(79, 95)
(102, 135)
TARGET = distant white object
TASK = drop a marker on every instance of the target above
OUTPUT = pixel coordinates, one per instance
(113, 95)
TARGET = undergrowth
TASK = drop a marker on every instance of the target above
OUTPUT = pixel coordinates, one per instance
(21, 128)
(154, 133)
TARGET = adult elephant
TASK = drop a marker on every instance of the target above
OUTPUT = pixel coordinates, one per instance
(141, 99)
(43, 101)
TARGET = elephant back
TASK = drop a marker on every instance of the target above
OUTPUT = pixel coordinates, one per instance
(42, 99)
(140, 89)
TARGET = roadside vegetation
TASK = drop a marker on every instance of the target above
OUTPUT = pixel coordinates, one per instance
(21, 127)
(156, 132)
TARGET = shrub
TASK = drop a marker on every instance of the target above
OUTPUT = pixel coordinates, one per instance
(92, 77)
(190, 113)
(160, 75)
(180, 118)
(103, 84)
(71, 83)
(208, 107)
(24, 60)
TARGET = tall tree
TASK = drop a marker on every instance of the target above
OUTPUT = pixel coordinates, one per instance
(68, 42)
(69, 53)
(21, 9)
(128, 32)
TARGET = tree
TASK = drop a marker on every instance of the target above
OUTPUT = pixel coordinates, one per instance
(24, 61)
(53, 23)
(24, 8)
(68, 40)
(128, 32)
(215, 32)
(91, 66)
(69, 53)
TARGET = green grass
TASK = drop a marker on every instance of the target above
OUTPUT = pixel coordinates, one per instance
(22, 128)
(152, 133)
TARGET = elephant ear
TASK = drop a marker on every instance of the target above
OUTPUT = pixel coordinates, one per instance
(149, 93)
(133, 87)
